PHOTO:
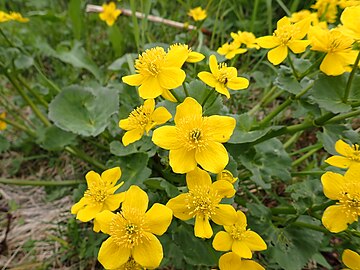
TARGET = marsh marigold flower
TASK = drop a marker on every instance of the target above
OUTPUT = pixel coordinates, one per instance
(338, 49)
(348, 3)
(109, 13)
(18, 17)
(100, 195)
(287, 36)
(346, 190)
(350, 18)
(202, 202)
(231, 261)
(351, 259)
(226, 175)
(326, 9)
(142, 120)
(193, 57)
(246, 38)
(195, 139)
(3, 124)
(158, 71)
(350, 155)
(222, 77)
(230, 49)
(132, 231)
(4, 17)
(198, 14)
(238, 239)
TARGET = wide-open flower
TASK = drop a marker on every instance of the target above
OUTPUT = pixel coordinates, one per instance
(346, 190)
(203, 202)
(246, 38)
(109, 13)
(158, 71)
(338, 49)
(350, 155)
(238, 239)
(198, 14)
(193, 57)
(351, 259)
(100, 195)
(350, 18)
(132, 231)
(195, 139)
(287, 36)
(231, 261)
(142, 120)
(222, 77)
(226, 175)
(3, 124)
(230, 49)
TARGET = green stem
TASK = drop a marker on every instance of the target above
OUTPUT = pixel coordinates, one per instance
(315, 64)
(343, 116)
(351, 78)
(283, 6)
(38, 97)
(307, 173)
(19, 126)
(305, 149)
(77, 152)
(253, 15)
(206, 98)
(185, 89)
(263, 100)
(304, 157)
(293, 67)
(20, 182)
(292, 139)
(176, 97)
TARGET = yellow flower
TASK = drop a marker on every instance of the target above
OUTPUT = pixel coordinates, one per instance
(142, 120)
(4, 17)
(345, 189)
(351, 259)
(350, 155)
(202, 202)
(158, 72)
(109, 13)
(3, 124)
(238, 239)
(246, 38)
(348, 3)
(18, 17)
(231, 49)
(226, 175)
(99, 196)
(132, 231)
(222, 77)
(198, 14)
(287, 35)
(303, 15)
(231, 261)
(338, 49)
(193, 57)
(326, 9)
(195, 139)
(350, 18)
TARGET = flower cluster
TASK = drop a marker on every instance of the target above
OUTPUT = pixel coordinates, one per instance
(12, 16)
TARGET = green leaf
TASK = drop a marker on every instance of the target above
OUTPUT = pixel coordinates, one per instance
(144, 145)
(119, 63)
(116, 39)
(4, 144)
(54, 138)
(83, 110)
(76, 15)
(23, 61)
(159, 183)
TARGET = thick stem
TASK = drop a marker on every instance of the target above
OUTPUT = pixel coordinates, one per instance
(304, 157)
(351, 78)
(185, 90)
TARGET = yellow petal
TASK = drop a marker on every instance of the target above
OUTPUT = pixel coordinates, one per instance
(224, 214)
(254, 241)
(241, 249)
(134, 80)
(92, 179)
(353, 173)
(241, 219)
(176, 56)
(220, 128)
(158, 218)
(179, 207)
(250, 265)
(89, 212)
(230, 261)
(343, 148)
(198, 178)
(132, 136)
(189, 108)
(135, 198)
(278, 54)
(208, 78)
(166, 137)
(335, 219)
(339, 161)
(238, 83)
(111, 255)
(103, 220)
(149, 245)
(298, 46)
(220, 87)
(195, 57)
(111, 176)
(161, 115)
(168, 95)
(125, 124)
(171, 77)
(149, 105)
(303, 27)
(351, 259)
(268, 42)
(333, 64)
(333, 184)
(113, 202)
(202, 227)
(213, 157)
(222, 241)
(150, 88)
(213, 64)
(224, 188)
(284, 21)
(182, 160)
(79, 205)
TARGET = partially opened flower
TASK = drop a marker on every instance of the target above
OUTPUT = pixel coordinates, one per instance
(203, 202)
(350, 155)
(226, 175)
(230, 49)
(246, 38)
(350, 18)
(351, 259)
(193, 57)
(195, 139)
(132, 231)
(3, 124)
(109, 13)
(231, 261)
(287, 36)
(238, 239)
(222, 77)
(346, 190)
(142, 120)
(100, 195)
(198, 14)
(158, 72)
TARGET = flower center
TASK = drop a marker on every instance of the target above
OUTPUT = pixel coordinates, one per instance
(150, 62)
(128, 228)
(191, 132)
(355, 155)
(237, 231)
(140, 117)
(132, 265)
(339, 42)
(223, 75)
(202, 200)
(285, 33)
(97, 193)
(350, 199)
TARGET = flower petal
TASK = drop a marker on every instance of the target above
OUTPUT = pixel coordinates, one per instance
(158, 218)
(150, 88)
(213, 157)
(166, 137)
(298, 46)
(230, 261)
(135, 198)
(89, 212)
(92, 179)
(224, 188)
(79, 205)
(195, 57)
(221, 88)
(351, 259)
(222, 241)
(250, 265)
(208, 78)
(254, 241)
(278, 54)
(333, 64)
(343, 148)
(238, 83)
(134, 80)
(179, 207)
(220, 128)
(104, 219)
(202, 227)
(171, 77)
(198, 178)
(335, 218)
(168, 96)
(132, 136)
(182, 160)
(111, 176)
(161, 115)
(333, 184)
(113, 202)
(213, 64)
(224, 214)
(149, 245)
(111, 255)
(189, 108)
(338, 161)
(268, 42)
(241, 249)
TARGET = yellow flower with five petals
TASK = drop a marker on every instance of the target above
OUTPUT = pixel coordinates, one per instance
(350, 155)
(231, 49)
(198, 14)
(109, 13)
(351, 259)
